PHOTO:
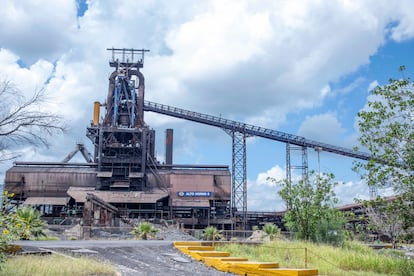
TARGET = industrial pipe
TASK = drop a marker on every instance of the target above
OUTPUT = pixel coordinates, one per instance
(96, 110)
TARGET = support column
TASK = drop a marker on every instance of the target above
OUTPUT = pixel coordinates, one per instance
(304, 162)
(239, 176)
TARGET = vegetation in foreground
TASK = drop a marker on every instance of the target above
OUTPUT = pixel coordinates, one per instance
(47, 265)
(353, 258)
(386, 128)
(144, 231)
(211, 233)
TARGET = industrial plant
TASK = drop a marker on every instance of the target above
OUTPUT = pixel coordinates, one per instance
(122, 178)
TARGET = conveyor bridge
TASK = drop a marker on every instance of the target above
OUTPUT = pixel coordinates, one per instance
(239, 131)
(251, 130)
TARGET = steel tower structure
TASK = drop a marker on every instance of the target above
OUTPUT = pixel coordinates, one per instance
(123, 143)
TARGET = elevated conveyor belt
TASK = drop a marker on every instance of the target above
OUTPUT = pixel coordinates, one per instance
(251, 130)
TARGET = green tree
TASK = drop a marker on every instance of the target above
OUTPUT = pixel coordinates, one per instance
(330, 228)
(211, 233)
(144, 230)
(309, 204)
(387, 130)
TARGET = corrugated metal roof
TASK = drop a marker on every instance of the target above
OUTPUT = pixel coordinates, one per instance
(79, 194)
(46, 201)
(22, 169)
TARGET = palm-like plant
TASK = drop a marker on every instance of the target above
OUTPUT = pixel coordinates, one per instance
(28, 223)
(144, 230)
(211, 234)
(271, 230)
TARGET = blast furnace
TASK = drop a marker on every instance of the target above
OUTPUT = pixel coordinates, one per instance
(123, 178)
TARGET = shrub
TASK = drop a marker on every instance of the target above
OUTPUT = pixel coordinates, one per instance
(271, 230)
(144, 230)
(211, 234)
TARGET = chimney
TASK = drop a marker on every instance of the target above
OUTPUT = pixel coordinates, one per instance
(169, 146)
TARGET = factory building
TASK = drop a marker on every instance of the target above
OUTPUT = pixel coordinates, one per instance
(123, 178)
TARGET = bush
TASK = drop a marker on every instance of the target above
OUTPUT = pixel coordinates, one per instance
(211, 234)
(331, 229)
(271, 230)
(22, 223)
(144, 230)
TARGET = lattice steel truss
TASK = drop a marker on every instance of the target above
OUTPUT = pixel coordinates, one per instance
(239, 131)
(239, 177)
(304, 162)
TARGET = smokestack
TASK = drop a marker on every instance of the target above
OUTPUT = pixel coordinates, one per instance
(169, 146)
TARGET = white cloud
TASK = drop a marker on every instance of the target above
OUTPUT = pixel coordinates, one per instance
(372, 85)
(323, 127)
(326, 90)
(37, 29)
(262, 193)
(29, 79)
(277, 173)
(348, 191)
(404, 28)
(349, 88)
(253, 61)
(225, 35)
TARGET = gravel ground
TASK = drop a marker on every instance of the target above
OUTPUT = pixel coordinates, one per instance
(129, 256)
(154, 260)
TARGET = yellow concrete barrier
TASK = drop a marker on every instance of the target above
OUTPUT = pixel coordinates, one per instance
(190, 243)
(186, 249)
(289, 272)
(204, 251)
(198, 255)
(250, 268)
(222, 263)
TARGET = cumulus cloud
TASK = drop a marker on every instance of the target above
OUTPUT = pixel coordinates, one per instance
(252, 61)
(37, 29)
(27, 79)
(348, 191)
(323, 127)
(276, 173)
(262, 193)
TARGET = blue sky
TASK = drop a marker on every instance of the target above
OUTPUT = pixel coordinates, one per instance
(302, 67)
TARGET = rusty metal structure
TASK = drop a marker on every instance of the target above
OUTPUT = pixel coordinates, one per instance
(124, 146)
(123, 178)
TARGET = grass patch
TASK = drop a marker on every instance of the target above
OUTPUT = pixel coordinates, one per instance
(352, 259)
(55, 265)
